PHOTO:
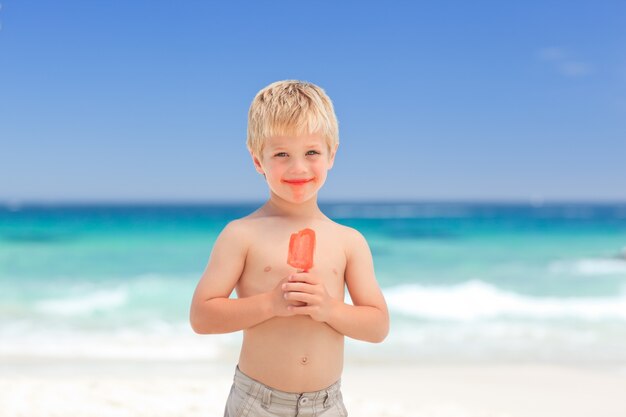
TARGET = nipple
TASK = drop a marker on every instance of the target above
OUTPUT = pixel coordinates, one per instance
(267, 268)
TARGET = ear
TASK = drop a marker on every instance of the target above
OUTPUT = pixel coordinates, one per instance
(332, 156)
(257, 164)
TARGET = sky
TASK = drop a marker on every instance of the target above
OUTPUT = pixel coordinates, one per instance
(147, 101)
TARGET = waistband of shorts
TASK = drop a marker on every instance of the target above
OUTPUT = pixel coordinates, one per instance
(288, 398)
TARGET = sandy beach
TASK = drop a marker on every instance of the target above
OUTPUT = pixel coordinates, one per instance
(98, 388)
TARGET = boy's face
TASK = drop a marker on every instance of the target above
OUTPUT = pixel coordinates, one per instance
(295, 167)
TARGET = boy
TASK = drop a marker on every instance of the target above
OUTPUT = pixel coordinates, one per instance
(293, 322)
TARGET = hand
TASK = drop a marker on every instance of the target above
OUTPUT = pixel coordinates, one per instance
(279, 303)
(309, 289)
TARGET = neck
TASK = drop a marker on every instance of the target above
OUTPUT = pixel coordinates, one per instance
(277, 206)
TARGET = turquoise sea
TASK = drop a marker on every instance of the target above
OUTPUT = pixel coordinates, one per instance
(463, 281)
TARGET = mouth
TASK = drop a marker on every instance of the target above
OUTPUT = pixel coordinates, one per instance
(298, 182)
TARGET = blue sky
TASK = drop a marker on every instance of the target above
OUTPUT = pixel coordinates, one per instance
(448, 100)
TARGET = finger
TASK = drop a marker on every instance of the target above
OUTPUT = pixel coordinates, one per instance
(296, 303)
(303, 277)
(299, 296)
(303, 310)
(298, 286)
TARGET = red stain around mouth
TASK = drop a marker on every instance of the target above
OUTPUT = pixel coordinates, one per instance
(301, 182)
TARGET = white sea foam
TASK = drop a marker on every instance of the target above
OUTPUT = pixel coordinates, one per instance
(162, 341)
(85, 303)
(589, 266)
(469, 320)
(475, 300)
(408, 340)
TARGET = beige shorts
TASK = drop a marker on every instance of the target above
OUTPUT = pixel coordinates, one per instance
(249, 397)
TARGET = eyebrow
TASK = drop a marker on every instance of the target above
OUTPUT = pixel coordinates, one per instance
(310, 145)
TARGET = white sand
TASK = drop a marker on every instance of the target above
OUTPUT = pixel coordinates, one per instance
(34, 388)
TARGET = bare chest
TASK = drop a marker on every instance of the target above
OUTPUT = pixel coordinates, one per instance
(266, 264)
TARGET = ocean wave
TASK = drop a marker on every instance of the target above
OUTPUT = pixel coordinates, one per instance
(476, 300)
(85, 303)
(175, 341)
(155, 340)
(589, 266)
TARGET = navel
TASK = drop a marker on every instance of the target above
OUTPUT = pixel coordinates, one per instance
(267, 268)
(304, 360)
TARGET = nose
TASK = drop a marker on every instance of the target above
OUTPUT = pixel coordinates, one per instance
(298, 165)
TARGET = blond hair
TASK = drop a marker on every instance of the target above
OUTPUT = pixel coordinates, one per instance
(291, 107)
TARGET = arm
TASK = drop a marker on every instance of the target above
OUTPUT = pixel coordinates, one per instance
(367, 319)
(212, 311)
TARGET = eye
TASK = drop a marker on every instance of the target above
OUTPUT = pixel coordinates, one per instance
(313, 153)
(281, 154)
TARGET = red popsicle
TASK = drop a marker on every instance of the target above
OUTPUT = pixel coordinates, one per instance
(301, 248)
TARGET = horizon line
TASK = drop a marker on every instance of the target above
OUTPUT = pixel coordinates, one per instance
(199, 202)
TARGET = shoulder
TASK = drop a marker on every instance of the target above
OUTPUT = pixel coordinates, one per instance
(247, 230)
(341, 230)
(236, 232)
(237, 227)
(353, 240)
(350, 233)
